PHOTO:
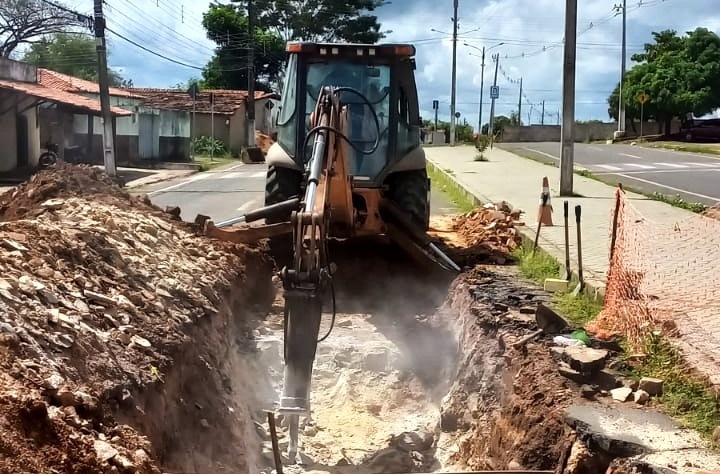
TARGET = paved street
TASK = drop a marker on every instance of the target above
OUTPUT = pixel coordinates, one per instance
(694, 176)
(230, 192)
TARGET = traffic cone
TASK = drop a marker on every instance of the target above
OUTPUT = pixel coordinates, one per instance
(545, 209)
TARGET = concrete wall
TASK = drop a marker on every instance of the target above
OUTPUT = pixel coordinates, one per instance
(17, 71)
(583, 132)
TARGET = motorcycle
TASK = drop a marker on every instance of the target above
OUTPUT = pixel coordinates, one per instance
(49, 157)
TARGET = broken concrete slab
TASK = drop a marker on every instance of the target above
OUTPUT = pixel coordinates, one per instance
(651, 385)
(630, 432)
(641, 397)
(585, 360)
(621, 394)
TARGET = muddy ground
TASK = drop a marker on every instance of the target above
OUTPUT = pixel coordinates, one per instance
(131, 344)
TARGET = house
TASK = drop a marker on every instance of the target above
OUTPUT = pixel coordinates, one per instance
(145, 134)
(22, 98)
(216, 113)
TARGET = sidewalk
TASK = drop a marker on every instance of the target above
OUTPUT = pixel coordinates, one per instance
(518, 180)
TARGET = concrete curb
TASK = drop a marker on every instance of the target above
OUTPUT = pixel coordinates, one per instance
(139, 183)
(593, 288)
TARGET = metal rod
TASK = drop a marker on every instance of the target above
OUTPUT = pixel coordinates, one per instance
(275, 445)
(229, 222)
(444, 257)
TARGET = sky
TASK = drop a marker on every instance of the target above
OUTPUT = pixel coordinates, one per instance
(531, 33)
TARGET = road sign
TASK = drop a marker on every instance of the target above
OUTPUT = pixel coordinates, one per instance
(457, 114)
(494, 92)
(436, 104)
(643, 97)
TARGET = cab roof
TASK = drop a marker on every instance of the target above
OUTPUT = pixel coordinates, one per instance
(351, 49)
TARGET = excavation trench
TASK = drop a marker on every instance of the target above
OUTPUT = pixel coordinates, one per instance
(414, 377)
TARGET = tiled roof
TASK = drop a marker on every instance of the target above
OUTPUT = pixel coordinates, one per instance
(59, 81)
(59, 96)
(226, 101)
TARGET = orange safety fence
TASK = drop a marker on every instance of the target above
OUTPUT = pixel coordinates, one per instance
(664, 277)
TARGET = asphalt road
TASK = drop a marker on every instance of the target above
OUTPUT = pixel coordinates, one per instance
(695, 177)
(231, 191)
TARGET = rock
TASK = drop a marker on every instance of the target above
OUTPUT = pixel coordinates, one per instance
(104, 450)
(621, 394)
(528, 310)
(651, 385)
(376, 361)
(583, 359)
(261, 431)
(569, 373)
(392, 460)
(608, 379)
(53, 382)
(100, 299)
(66, 398)
(140, 342)
(310, 430)
(716, 436)
(125, 464)
(413, 441)
(514, 466)
(588, 391)
(204, 423)
(641, 397)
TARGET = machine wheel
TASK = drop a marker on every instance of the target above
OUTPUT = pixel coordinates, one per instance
(281, 184)
(411, 191)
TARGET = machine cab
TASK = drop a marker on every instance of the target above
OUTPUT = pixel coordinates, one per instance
(384, 74)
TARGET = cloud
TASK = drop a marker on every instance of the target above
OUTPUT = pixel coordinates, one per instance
(531, 30)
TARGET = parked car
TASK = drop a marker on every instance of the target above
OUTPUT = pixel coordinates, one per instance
(701, 130)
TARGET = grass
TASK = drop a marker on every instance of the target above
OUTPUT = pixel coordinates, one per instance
(707, 148)
(675, 201)
(685, 396)
(457, 195)
(206, 164)
(579, 309)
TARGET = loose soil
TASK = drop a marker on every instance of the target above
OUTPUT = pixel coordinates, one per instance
(131, 344)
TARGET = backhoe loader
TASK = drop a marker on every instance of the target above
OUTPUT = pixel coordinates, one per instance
(348, 162)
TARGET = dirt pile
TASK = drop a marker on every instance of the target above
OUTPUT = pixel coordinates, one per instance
(486, 234)
(98, 295)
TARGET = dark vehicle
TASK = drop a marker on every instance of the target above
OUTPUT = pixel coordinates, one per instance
(695, 129)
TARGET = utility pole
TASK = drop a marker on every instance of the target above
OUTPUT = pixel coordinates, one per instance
(621, 102)
(251, 75)
(491, 134)
(568, 104)
(482, 85)
(108, 137)
(454, 73)
(520, 105)
(542, 120)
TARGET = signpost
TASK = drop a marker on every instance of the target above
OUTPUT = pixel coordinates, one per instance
(642, 98)
(494, 92)
(436, 106)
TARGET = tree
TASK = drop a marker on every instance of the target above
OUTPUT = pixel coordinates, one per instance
(73, 54)
(680, 74)
(322, 20)
(26, 21)
(499, 124)
(227, 26)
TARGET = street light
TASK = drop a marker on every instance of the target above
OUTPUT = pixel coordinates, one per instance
(482, 78)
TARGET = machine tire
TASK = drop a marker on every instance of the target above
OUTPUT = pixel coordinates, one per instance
(410, 191)
(281, 184)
